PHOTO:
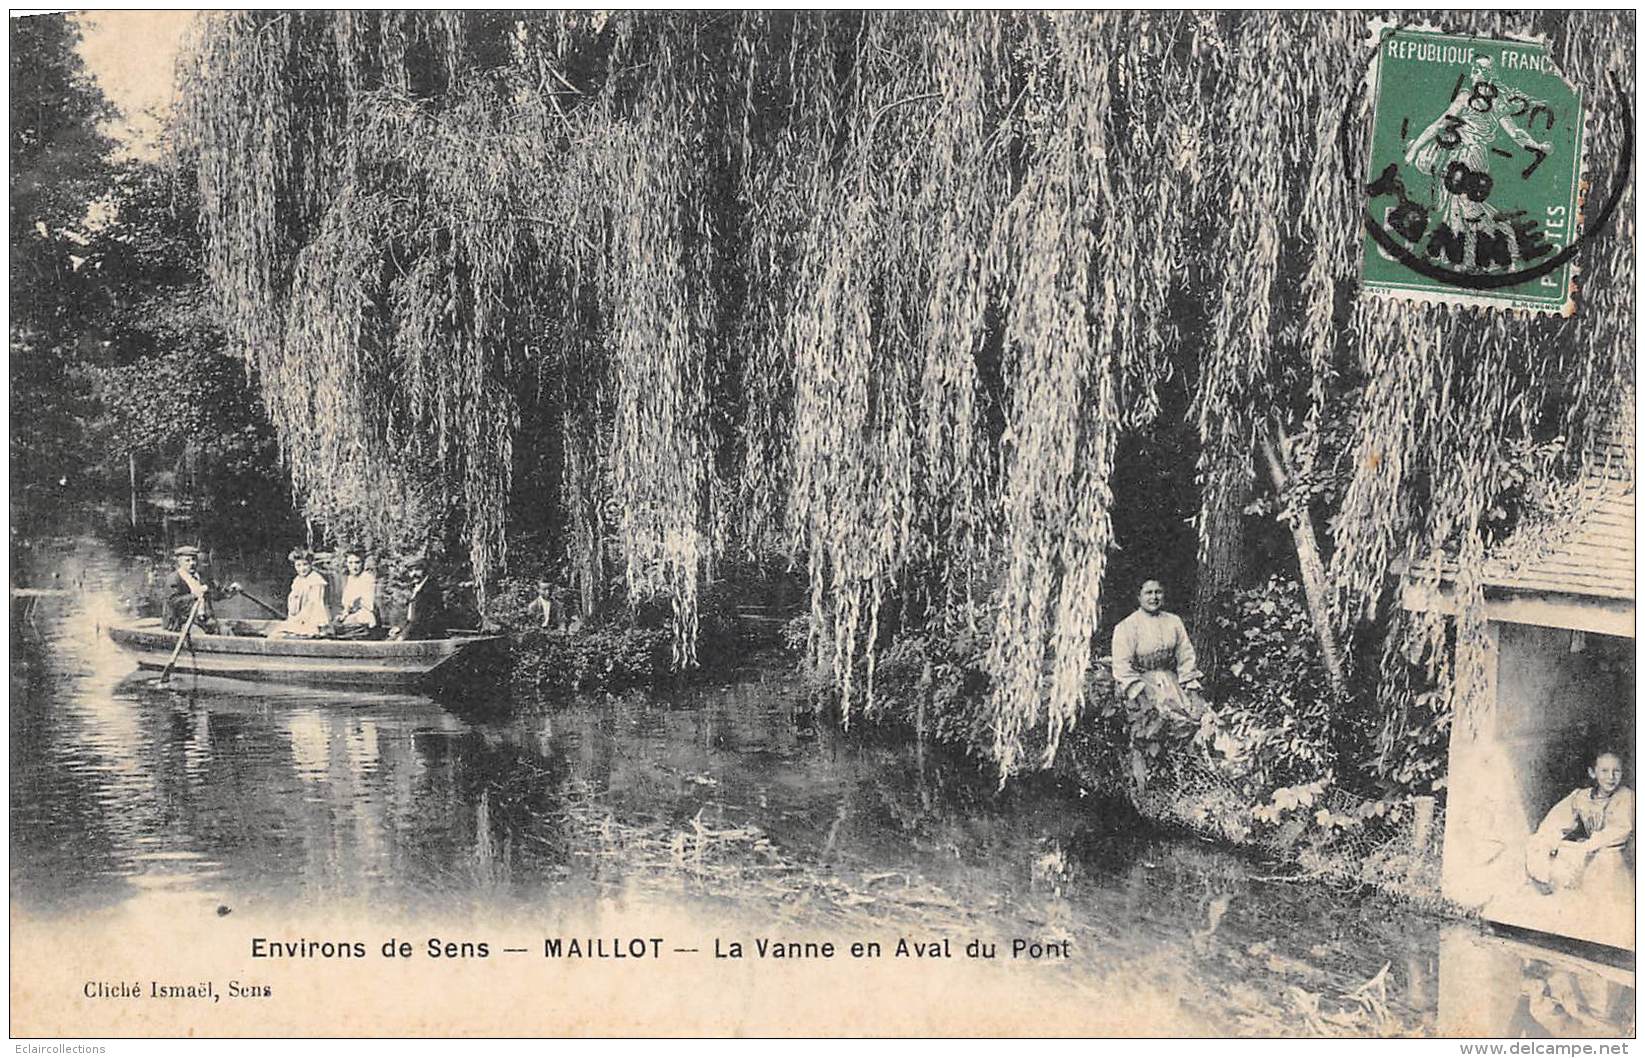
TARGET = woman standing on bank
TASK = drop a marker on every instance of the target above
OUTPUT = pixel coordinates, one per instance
(1152, 657)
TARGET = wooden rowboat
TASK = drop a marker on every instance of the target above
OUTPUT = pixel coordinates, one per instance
(313, 662)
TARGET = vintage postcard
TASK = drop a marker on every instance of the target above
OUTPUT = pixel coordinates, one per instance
(822, 523)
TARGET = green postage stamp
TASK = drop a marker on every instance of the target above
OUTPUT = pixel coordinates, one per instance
(1472, 174)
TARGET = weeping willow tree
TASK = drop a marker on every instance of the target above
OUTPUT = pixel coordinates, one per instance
(883, 291)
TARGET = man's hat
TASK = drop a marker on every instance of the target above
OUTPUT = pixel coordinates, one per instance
(186, 550)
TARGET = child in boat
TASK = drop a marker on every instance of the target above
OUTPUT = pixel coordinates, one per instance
(1583, 840)
(359, 619)
(307, 615)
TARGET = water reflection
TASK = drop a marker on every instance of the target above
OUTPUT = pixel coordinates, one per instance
(1500, 986)
(211, 797)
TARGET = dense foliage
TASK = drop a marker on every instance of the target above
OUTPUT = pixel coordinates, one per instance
(166, 393)
(1271, 689)
(60, 166)
(60, 161)
(626, 647)
(117, 362)
(888, 292)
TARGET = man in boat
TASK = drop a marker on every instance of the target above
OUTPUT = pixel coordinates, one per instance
(185, 587)
(426, 610)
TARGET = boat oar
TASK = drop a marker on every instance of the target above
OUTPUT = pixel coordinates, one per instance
(272, 611)
(182, 637)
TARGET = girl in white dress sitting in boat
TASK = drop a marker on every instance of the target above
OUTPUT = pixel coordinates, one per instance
(307, 615)
(359, 618)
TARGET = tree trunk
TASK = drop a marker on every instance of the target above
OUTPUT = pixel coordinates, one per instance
(1222, 564)
(1308, 560)
(131, 465)
(585, 528)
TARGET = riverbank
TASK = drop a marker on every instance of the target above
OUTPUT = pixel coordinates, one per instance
(1260, 774)
(1311, 831)
(1257, 776)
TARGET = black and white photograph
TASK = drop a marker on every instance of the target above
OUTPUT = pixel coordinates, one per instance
(822, 523)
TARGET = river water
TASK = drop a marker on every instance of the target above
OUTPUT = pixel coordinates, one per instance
(713, 808)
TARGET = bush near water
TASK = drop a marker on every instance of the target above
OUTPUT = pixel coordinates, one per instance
(632, 644)
(1282, 766)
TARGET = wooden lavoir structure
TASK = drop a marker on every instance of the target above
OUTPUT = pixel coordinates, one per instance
(384, 664)
(1559, 663)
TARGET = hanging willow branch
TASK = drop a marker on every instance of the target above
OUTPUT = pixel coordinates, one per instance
(882, 290)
